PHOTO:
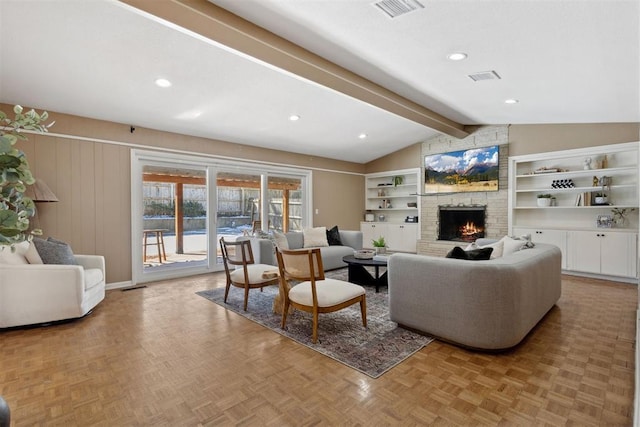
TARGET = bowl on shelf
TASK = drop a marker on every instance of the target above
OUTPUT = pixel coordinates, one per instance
(412, 204)
(364, 254)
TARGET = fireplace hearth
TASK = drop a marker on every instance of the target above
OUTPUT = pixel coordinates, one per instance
(461, 223)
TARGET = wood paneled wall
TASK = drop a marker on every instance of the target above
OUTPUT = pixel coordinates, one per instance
(87, 164)
(92, 181)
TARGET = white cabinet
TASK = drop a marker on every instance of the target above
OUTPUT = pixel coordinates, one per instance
(603, 252)
(399, 237)
(370, 231)
(552, 237)
(573, 220)
(402, 237)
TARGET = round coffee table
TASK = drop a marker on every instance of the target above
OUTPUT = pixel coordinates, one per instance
(360, 275)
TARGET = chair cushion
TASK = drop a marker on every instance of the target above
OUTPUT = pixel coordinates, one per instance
(330, 292)
(92, 277)
(255, 273)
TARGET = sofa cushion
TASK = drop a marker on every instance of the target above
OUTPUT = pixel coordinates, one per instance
(333, 236)
(480, 254)
(315, 237)
(53, 252)
(15, 254)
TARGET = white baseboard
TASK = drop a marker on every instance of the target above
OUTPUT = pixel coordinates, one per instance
(632, 280)
(118, 285)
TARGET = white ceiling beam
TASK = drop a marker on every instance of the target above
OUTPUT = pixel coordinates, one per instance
(221, 26)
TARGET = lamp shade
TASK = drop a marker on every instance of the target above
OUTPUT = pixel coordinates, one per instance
(40, 192)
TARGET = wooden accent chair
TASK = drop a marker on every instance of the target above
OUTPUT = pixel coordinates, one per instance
(315, 294)
(250, 275)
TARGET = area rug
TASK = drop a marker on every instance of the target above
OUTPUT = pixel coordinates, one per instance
(341, 336)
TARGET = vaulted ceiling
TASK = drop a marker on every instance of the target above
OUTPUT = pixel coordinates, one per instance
(346, 68)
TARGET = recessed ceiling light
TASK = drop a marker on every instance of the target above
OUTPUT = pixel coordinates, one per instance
(294, 117)
(511, 101)
(457, 56)
(362, 136)
(163, 83)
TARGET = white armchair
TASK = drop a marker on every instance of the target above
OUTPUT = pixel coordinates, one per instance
(41, 293)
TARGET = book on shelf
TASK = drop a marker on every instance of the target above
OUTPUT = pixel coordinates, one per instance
(584, 199)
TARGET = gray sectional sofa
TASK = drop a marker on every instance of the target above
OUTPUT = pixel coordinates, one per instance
(488, 305)
(331, 255)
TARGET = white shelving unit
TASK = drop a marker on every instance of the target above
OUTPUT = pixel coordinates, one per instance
(572, 221)
(391, 202)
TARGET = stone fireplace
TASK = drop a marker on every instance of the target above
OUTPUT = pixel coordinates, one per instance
(461, 223)
(493, 204)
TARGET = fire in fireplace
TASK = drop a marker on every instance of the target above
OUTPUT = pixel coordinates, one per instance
(461, 223)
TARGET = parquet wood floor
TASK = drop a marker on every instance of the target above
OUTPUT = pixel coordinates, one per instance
(164, 356)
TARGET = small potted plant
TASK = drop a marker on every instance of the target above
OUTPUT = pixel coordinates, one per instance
(398, 180)
(545, 199)
(380, 245)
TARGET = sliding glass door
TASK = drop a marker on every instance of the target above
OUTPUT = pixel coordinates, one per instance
(285, 202)
(182, 205)
(174, 217)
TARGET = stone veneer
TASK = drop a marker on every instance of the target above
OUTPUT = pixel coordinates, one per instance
(496, 201)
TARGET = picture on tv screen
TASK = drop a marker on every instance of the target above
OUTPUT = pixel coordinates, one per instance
(475, 169)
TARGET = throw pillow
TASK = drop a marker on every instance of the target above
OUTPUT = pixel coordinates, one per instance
(315, 237)
(54, 252)
(498, 248)
(511, 245)
(280, 240)
(333, 237)
(481, 254)
(32, 255)
(527, 241)
(14, 254)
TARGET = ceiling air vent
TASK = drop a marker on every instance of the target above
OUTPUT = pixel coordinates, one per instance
(484, 75)
(395, 8)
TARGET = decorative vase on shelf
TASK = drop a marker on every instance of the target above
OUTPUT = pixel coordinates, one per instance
(544, 200)
(600, 200)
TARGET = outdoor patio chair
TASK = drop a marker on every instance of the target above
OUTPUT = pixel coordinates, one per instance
(315, 294)
(246, 274)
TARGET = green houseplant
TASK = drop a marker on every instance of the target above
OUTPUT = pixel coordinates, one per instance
(15, 175)
(380, 244)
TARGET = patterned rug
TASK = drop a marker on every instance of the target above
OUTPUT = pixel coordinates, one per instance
(341, 336)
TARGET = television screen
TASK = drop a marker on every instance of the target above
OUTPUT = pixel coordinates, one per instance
(475, 169)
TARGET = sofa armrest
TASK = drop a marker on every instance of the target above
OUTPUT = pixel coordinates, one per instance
(263, 251)
(91, 261)
(41, 279)
(351, 238)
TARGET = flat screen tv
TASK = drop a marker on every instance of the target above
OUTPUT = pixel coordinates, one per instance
(475, 169)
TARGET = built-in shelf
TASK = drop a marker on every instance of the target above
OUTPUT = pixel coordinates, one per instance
(591, 242)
